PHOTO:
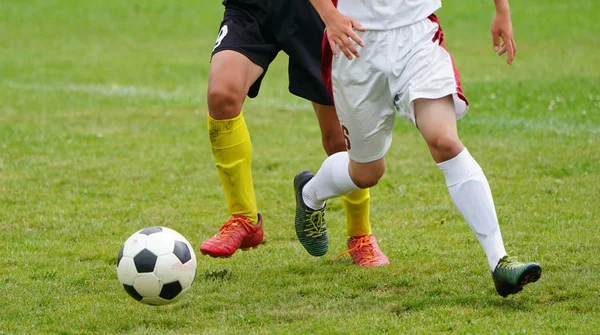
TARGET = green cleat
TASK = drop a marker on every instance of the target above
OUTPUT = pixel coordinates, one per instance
(310, 223)
(510, 276)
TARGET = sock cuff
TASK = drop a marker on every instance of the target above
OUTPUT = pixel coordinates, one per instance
(225, 134)
(357, 197)
(459, 168)
(226, 125)
(341, 173)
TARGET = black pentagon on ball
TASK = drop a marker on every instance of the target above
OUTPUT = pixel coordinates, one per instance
(144, 261)
(151, 230)
(182, 252)
(120, 255)
(132, 292)
(170, 290)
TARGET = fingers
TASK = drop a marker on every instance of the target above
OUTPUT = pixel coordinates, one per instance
(333, 47)
(510, 49)
(354, 36)
(345, 47)
(496, 40)
(356, 25)
(502, 51)
(347, 43)
(345, 37)
(351, 47)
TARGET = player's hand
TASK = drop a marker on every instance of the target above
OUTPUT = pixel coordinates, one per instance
(502, 30)
(341, 34)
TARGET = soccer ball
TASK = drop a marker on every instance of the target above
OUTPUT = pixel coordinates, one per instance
(156, 265)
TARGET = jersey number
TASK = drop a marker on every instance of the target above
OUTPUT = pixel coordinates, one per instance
(222, 34)
(346, 133)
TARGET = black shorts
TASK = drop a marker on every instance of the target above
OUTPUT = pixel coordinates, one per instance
(296, 30)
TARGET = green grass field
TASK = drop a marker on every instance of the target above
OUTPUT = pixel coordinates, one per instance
(103, 132)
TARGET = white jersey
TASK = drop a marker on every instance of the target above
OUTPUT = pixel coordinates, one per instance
(388, 14)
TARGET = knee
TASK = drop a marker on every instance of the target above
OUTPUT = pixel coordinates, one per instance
(444, 147)
(368, 175)
(367, 180)
(224, 102)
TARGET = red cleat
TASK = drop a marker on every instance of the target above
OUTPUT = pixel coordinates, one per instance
(238, 232)
(365, 251)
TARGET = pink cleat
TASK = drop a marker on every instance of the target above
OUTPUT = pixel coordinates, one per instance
(365, 251)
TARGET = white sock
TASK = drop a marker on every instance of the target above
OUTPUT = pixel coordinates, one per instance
(471, 194)
(332, 180)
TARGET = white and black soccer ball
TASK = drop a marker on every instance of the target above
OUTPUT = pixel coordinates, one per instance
(156, 265)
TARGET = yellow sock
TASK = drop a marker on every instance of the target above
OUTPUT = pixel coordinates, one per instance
(357, 205)
(232, 150)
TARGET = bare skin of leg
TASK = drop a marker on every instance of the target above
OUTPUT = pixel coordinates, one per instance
(366, 175)
(331, 131)
(230, 78)
(436, 120)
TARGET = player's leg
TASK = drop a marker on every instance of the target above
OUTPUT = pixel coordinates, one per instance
(437, 102)
(357, 203)
(467, 184)
(231, 75)
(331, 132)
(236, 67)
(333, 178)
(470, 191)
(362, 245)
(304, 48)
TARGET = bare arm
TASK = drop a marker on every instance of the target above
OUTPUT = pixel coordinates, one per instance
(502, 29)
(340, 29)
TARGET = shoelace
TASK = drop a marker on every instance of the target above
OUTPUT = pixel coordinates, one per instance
(315, 227)
(364, 245)
(231, 225)
(509, 264)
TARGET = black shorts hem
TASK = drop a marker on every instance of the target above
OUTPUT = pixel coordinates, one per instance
(318, 100)
(244, 52)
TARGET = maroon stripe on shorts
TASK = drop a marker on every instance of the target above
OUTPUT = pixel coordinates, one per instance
(326, 60)
(439, 38)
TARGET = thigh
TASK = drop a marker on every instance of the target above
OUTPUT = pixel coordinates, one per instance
(233, 74)
(363, 100)
(243, 33)
(436, 120)
(426, 70)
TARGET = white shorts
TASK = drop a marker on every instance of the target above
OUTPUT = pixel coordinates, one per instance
(394, 68)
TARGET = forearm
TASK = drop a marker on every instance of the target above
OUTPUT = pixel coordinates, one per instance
(325, 8)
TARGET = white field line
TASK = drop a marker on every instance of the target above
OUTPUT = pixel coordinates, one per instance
(550, 126)
(128, 91)
(114, 90)
(179, 95)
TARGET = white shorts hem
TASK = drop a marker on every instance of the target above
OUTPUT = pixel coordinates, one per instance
(460, 106)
